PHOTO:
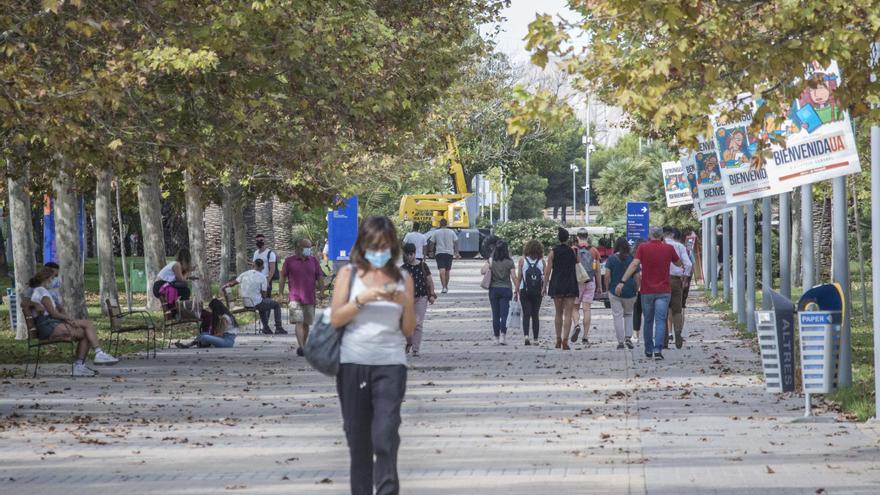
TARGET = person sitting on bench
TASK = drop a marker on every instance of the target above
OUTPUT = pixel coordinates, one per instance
(254, 289)
(54, 324)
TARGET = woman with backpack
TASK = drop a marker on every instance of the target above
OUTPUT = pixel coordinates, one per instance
(562, 285)
(622, 305)
(531, 286)
(500, 289)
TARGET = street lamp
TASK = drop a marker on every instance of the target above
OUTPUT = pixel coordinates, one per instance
(574, 171)
(587, 141)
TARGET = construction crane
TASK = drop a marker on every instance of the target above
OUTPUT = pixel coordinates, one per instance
(457, 208)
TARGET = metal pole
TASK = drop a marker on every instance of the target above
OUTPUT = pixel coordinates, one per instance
(840, 274)
(713, 261)
(807, 235)
(875, 255)
(573, 195)
(785, 244)
(704, 247)
(725, 256)
(739, 264)
(587, 174)
(751, 269)
(122, 247)
(766, 262)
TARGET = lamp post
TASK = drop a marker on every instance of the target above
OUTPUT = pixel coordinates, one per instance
(574, 171)
(588, 146)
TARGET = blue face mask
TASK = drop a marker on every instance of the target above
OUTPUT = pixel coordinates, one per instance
(378, 258)
(307, 251)
(56, 283)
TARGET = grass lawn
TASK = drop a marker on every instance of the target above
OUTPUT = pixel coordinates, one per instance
(15, 351)
(858, 399)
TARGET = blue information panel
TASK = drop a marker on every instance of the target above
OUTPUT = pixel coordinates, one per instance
(637, 222)
(342, 228)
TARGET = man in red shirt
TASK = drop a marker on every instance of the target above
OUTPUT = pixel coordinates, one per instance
(304, 277)
(654, 256)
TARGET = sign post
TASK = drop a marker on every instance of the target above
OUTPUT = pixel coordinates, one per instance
(637, 221)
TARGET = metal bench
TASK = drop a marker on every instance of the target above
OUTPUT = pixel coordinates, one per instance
(34, 342)
(130, 321)
(170, 320)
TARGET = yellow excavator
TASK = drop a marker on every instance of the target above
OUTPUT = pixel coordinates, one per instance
(457, 208)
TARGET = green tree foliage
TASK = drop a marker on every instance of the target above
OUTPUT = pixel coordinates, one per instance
(516, 233)
(667, 63)
(528, 197)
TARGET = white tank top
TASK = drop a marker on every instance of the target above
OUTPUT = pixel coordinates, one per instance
(167, 272)
(373, 336)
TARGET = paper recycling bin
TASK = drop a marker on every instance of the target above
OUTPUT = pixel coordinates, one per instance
(820, 315)
(138, 276)
(12, 298)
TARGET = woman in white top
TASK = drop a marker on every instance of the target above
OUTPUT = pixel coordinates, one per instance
(175, 273)
(531, 289)
(377, 315)
(54, 324)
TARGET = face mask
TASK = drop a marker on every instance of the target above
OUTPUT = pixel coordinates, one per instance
(56, 283)
(307, 251)
(260, 244)
(378, 258)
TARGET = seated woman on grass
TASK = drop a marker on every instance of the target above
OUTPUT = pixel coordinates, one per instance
(54, 324)
(224, 328)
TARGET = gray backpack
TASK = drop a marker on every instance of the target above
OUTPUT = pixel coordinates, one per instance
(322, 347)
(586, 259)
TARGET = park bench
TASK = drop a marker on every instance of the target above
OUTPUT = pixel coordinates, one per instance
(130, 321)
(170, 320)
(34, 342)
(237, 306)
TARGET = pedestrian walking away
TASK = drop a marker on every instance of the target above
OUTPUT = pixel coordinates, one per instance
(503, 272)
(445, 246)
(654, 258)
(302, 276)
(560, 282)
(423, 292)
(588, 257)
(270, 262)
(255, 294)
(622, 305)
(679, 278)
(377, 315)
(530, 283)
(417, 239)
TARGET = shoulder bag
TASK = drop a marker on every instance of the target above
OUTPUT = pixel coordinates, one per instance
(322, 347)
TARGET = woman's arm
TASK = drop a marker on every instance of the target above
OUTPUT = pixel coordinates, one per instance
(432, 293)
(50, 308)
(407, 300)
(518, 274)
(547, 269)
(607, 276)
(178, 272)
(486, 266)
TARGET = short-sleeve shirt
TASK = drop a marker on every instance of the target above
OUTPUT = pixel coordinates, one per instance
(420, 274)
(38, 294)
(167, 272)
(419, 240)
(501, 273)
(268, 256)
(616, 268)
(253, 284)
(302, 274)
(444, 239)
(655, 257)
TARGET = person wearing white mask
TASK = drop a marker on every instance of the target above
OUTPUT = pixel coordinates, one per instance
(304, 277)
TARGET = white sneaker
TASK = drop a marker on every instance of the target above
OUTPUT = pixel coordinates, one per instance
(497, 340)
(503, 340)
(104, 358)
(81, 370)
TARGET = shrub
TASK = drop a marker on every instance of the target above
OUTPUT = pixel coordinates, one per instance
(517, 232)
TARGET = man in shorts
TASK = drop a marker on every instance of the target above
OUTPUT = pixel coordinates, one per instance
(445, 242)
(304, 278)
(586, 253)
(679, 278)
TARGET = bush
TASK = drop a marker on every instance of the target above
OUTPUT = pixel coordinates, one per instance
(517, 232)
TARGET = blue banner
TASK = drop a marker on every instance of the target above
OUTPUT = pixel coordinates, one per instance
(342, 228)
(49, 253)
(637, 221)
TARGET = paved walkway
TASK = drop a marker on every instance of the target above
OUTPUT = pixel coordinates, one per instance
(506, 420)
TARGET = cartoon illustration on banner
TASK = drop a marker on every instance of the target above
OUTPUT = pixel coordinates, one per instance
(675, 182)
(710, 189)
(818, 135)
(742, 171)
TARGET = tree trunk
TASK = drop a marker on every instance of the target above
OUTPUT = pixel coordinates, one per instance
(195, 220)
(213, 240)
(822, 239)
(22, 234)
(796, 239)
(150, 209)
(859, 249)
(226, 247)
(263, 221)
(73, 293)
(250, 226)
(239, 230)
(281, 224)
(104, 241)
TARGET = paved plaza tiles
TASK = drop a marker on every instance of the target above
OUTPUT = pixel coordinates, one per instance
(478, 418)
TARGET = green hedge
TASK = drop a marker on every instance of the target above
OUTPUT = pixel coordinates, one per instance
(517, 232)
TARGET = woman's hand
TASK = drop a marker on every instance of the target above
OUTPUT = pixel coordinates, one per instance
(400, 297)
(373, 295)
(516, 295)
(432, 298)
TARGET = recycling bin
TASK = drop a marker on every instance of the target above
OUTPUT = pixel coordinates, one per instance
(138, 277)
(12, 297)
(776, 341)
(820, 350)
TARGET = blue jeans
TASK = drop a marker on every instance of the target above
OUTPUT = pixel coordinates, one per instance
(654, 309)
(499, 299)
(227, 340)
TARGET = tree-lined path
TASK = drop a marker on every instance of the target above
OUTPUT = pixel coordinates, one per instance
(514, 419)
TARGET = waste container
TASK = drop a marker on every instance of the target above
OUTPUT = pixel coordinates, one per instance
(13, 307)
(137, 276)
(820, 314)
(776, 341)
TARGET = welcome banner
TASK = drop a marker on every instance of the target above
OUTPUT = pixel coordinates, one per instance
(710, 189)
(819, 140)
(675, 182)
(744, 177)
